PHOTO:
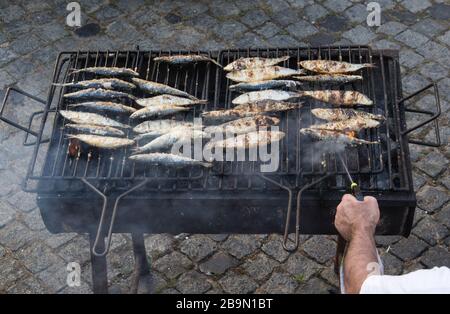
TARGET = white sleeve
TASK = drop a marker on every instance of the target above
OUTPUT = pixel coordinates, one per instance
(436, 280)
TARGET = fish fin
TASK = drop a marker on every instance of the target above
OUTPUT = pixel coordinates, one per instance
(203, 101)
(62, 84)
(215, 62)
(369, 65)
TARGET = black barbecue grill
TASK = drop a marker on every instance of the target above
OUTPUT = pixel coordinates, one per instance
(101, 192)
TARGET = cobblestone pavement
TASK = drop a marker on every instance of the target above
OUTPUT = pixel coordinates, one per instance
(32, 33)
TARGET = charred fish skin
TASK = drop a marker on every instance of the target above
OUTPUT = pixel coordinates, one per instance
(158, 88)
(98, 93)
(269, 94)
(338, 97)
(156, 133)
(247, 140)
(332, 67)
(219, 116)
(95, 129)
(353, 124)
(107, 71)
(268, 106)
(104, 142)
(169, 100)
(168, 159)
(334, 136)
(344, 114)
(185, 59)
(270, 84)
(329, 78)
(91, 118)
(105, 83)
(158, 111)
(255, 62)
(262, 74)
(162, 125)
(244, 125)
(105, 106)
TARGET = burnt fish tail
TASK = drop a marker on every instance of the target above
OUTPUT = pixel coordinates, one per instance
(159, 88)
(109, 71)
(100, 93)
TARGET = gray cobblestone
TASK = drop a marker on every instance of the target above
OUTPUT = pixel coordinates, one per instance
(7, 213)
(302, 29)
(173, 264)
(391, 264)
(434, 51)
(240, 246)
(445, 38)
(430, 198)
(433, 164)
(314, 286)
(237, 283)
(274, 248)
(356, 13)
(37, 257)
(436, 256)
(10, 272)
(440, 11)
(158, 244)
(416, 6)
(431, 231)
(198, 247)
(337, 5)
(218, 264)
(409, 248)
(391, 28)
(15, 235)
(411, 38)
(279, 283)
(359, 35)
(444, 215)
(193, 282)
(301, 267)
(254, 18)
(77, 250)
(315, 12)
(29, 285)
(260, 266)
(428, 27)
(320, 248)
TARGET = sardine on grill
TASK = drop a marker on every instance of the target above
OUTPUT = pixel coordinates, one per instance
(244, 125)
(338, 97)
(157, 111)
(154, 134)
(98, 93)
(344, 114)
(247, 140)
(255, 62)
(332, 67)
(168, 160)
(261, 85)
(162, 125)
(352, 124)
(94, 129)
(107, 71)
(105, 142)
(158, 88)
(269, 94)
(105, 106)
(169, 100)
(91, 118)
(329, 78)
(268, 106)
(262, 74)
(334, 137)
(105, 83)
(185, 59)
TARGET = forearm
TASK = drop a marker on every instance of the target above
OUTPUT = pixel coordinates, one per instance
(361, 252)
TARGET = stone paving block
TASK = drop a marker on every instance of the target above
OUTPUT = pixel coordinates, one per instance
(218, 237)
(54, 277)
(360, 35)
(440, 11)
(285, 18)
(224, 9)
(279, 283)
(416, 6)
(33, 220)
(218, 264)
(314, 286)
(391, 28)
(172, 265)
(23, 201)
(229, 30)
(37, 257)
(385, 44)
(445, 38)
(193, 282)
(428, 27)
(419, 180)
(120, 265)
(56, 240)
(302, 29)
(391, 264)
(11, 13)
(242, 245)
(430, 198)
(433, 164)
(77, 250)
(413, 82)
(11, 271)
(321, 39)
(15, 235)
(385, 241)
(2, 251)
(274, 248)
(330, 276)
(408, 248)
(430, 230)
(193, 9)
(254, 18)
(29, 285)
(237, 283)
(7, 213)
(443, 216)
(356, 13)
(301, 267)
(198, 247)
(434, 51)
(315, 12)
(433, 71)
(260, 266)
(337, 5)
(158, 244)
(320, 248)
(283, 41)
(411, 38)
(436, 256)
(333, 23)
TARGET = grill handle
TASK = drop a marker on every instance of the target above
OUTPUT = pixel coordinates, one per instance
(433, 117)
(26, 129)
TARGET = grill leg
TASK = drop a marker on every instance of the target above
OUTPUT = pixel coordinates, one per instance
(99, 270)
(141, 274)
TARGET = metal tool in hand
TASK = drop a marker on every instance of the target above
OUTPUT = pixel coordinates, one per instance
(353, 186)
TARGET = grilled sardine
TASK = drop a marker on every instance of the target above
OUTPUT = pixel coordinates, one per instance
(335, 137)
(332, 67)
(262, 74)
(247, 140)
(184, 59)
(255, 86)
(157, 111)
(344, 114)
(105, 83)
(154, 134)
(98, 93)
(94, 129)
(108, 71)
(329, 78)
(244, 125)
(352, 124)
(269, 94)
(158, 88)
(169, 100)
(91, 118)
(105, 106)
(163, 126)
(256, 62)
(105, 142)
(268, 106)
(338, 97)
(168, 160)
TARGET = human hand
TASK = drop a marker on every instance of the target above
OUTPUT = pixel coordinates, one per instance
(354, 217)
